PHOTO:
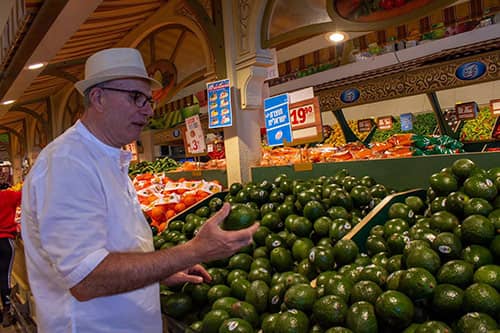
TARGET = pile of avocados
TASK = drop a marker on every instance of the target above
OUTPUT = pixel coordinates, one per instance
(433, 266)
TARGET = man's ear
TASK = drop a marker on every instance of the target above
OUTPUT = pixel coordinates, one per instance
(96, 99)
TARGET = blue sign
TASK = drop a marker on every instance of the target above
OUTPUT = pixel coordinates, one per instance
(350, 95)
(219, 104)
(277, 117)
(470, 70)
(406, 120)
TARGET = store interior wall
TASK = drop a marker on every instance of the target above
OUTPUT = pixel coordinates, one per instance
(481, 93)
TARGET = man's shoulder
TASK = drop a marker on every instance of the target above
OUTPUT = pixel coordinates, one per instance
(70, 143)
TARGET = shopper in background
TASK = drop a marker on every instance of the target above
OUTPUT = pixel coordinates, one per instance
(89, 250)
(9, 201)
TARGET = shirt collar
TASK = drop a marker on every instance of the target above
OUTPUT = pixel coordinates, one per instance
(123, 155)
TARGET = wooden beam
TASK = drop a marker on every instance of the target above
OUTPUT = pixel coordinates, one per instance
(44, 19)
(11, 130)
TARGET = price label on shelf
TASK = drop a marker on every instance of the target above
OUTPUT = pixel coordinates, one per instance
(406, 120)
(303, 115)
(306, 121)
(466, 110)
(384, 123)
(365, 125)
(495, 107)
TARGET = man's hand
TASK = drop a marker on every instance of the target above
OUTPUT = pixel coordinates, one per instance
(195, 274)
(214, 243)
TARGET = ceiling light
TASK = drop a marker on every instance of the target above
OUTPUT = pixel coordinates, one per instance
(8, 102)
(336, 37)
(37, 65)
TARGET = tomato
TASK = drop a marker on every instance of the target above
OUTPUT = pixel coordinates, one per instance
(399, 3)
(387, 4)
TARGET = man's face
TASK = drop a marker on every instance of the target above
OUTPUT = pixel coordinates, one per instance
(126, 109)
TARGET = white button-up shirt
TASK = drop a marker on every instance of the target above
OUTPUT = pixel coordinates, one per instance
(79, 205)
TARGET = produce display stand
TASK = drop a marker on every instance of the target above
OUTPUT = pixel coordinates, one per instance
(398, 173)
(21, 297)
(378, 216)
(208, 175)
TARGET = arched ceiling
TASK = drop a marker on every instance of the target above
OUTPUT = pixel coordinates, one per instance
(104, 25)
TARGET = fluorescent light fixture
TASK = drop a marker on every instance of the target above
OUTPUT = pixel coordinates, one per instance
(336, 37)
(37, 65)
(8, 102)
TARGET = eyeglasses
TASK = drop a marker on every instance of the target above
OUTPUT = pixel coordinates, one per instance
(140, 99)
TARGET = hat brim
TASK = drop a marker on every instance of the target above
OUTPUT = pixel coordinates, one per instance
(83, 85)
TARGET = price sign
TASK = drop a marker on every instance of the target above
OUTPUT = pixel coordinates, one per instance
(466, 110)
(194, 140)
(219, 104)
(384, 123)
(365, 125)
(306, 122)
(303, 115)
(495, 107)
(406, 120)
(277, 116)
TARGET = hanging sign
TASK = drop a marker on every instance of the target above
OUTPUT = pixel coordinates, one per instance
(495, 107)
(406, 120)
(466, 110)
(470, 70)
(277, 118)
(219, 104)
(306, 121)
(350, 95)
(365, 125)
(194, 139)
(384, 123)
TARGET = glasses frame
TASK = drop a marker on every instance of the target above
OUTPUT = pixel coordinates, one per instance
(135, 94)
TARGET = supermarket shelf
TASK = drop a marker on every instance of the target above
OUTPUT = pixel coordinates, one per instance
(409, 55)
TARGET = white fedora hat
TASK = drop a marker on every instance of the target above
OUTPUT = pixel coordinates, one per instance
(114, 64)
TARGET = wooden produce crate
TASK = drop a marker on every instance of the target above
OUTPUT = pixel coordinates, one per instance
(378, 216)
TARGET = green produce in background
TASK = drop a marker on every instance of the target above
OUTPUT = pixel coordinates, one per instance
(478, 129)
(164, 164)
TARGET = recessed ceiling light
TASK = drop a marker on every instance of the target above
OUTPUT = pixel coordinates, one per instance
(10, 101)
(37, 65)
(336, 37)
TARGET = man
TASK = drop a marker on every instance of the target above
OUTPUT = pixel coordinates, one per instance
(9, 201)
(89, 250)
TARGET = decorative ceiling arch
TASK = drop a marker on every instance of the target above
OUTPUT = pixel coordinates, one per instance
(288, 21)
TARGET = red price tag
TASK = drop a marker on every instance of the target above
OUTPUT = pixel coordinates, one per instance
(303, 115)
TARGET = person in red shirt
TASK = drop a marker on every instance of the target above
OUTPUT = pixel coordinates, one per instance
(9, 201)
